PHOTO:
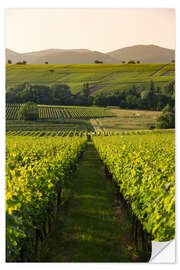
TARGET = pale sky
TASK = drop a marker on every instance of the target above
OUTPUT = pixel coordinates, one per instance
(95, 29)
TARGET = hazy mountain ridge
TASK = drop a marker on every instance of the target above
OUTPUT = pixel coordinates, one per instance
(74, 57)
(143, 53)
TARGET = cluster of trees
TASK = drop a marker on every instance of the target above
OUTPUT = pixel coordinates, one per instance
(145, 98)
(123, 62)
(167, 118)
(21, 63)
(131, 62)
(46, 62)
(24, 62)
(18, 63)
(29, 111)
(57, 94)
(98, 61)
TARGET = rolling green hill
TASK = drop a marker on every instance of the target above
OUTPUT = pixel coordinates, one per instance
(101, 77)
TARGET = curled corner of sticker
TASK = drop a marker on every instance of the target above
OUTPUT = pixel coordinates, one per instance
(163, 252)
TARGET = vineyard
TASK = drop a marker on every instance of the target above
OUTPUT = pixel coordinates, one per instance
(61, 132)
(143, 168)
(46, 132)
(37, 172)
(70, 129)
(121, 121)
(47, 112)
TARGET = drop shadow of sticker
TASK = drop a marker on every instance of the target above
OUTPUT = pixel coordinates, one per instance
(160, 250)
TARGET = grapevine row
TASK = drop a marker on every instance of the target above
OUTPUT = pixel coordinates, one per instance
(70, 131)
(37, 171)
(143, 168)
(58, 112)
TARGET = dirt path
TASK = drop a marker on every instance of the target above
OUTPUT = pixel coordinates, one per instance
(90, 228)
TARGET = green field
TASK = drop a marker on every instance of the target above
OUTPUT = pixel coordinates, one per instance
(100, 77)
(126, 120)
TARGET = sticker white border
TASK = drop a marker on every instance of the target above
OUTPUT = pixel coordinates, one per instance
(170, 249)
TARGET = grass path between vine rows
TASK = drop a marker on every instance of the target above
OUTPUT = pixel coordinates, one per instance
(89, 227)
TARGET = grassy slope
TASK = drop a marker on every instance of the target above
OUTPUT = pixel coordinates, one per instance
(127, 120)
(89, 229)
(112, 77)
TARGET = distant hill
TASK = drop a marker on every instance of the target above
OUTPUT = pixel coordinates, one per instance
(143, 53)
(58, 56)
(39, 57)
(74, 57)
(13, 56)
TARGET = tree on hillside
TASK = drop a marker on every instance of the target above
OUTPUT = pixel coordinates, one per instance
(169, 92)
(138, 62)
(100, 100)
(86, 90)
(61, 94)
(46, 63)
(133, 90)
(28, 111)
(123, 62)
(158, 90)
(9, 62)
(152, 86)
(98, 62)
(22, 63)
(41, 94)
(166, 120)
(150, 97)
(167, 108)
(131, 62)
(131, 101)
(147, 98)
(169, 89)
